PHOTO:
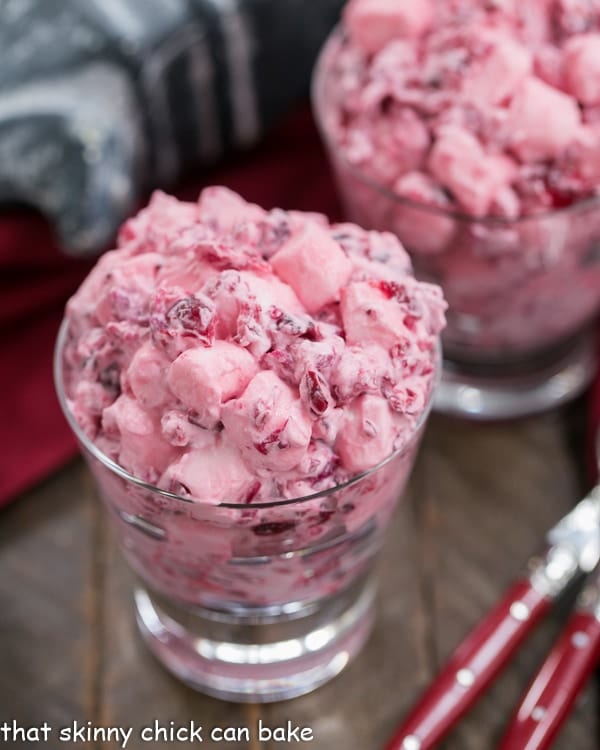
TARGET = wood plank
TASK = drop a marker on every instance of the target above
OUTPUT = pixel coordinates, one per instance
(46, 614)
(491, 494)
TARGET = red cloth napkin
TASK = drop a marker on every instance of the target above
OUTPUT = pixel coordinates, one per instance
(289, 171)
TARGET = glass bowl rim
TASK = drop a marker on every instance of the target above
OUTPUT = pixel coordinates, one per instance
(108, 463)
(321, 74)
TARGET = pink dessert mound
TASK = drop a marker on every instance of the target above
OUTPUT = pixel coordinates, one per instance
(496, 104)
(230, 354)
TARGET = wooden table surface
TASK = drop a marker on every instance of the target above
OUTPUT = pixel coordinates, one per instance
(479, 503)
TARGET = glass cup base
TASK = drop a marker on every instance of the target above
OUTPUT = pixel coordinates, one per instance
(532, 386)
(258, 655)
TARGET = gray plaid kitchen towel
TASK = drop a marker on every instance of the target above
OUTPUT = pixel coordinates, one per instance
(101, 100)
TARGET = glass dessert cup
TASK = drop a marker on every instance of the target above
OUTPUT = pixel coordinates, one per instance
(523, 294)
(256, 602)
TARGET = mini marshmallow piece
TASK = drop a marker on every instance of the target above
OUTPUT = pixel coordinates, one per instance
(408, 396)
(204, 378)
(460, 164)
(371, 315)
(90, 400)
(549, 65)
(412, 140)
(141, 444)
(585, 153)
(227, 291)
(544, 121)
(124, 296)
(177, 430)
(366, 436)
(361, 369)
(582, 67)
(499, 74)
(185, 270)
(215, 474)
(221, 206)
(152, 229)
(398, 143)
(420, 188)
(536, 18)
(315, 473)
(146, 376)
(231, 290)
(383, 248)
(506, 204)
(268, 423)
(271, 291)
(374, 23)
(314, 265)
(126, 415)
(83, 304)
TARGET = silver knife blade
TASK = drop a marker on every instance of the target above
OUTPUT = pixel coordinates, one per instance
(579, 532)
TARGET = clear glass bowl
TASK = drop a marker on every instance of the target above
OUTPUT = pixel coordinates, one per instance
(522, 294)
(252, 602)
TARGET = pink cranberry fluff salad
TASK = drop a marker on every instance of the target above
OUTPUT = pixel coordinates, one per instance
(230, 354)
(482, 107)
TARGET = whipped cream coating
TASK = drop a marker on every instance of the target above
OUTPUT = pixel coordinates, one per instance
(465, 97)
(229, 354)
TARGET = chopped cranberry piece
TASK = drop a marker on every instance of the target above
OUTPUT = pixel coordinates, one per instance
(312, 333)
(575, 17)
(353, 243)
(128, 305)
(179, 319)
(561, 196)
(282, 362)
(392, 290)
(225, 256)
(178, 488)
(400, 350)
(561, 199)
(325, 515)
(276, 313)
(271, 529)
(261, 412)
(274, 232)
(410, 321)
(191, 314)
(109, 378)
(250, 331)
(403, 400)
(327, 471)
(264, 446)
(315, 391)
(294, 325)
(252, 492)
(322, 517)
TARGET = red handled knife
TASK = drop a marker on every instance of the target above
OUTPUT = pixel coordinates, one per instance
(573, 549)
(552, 694)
